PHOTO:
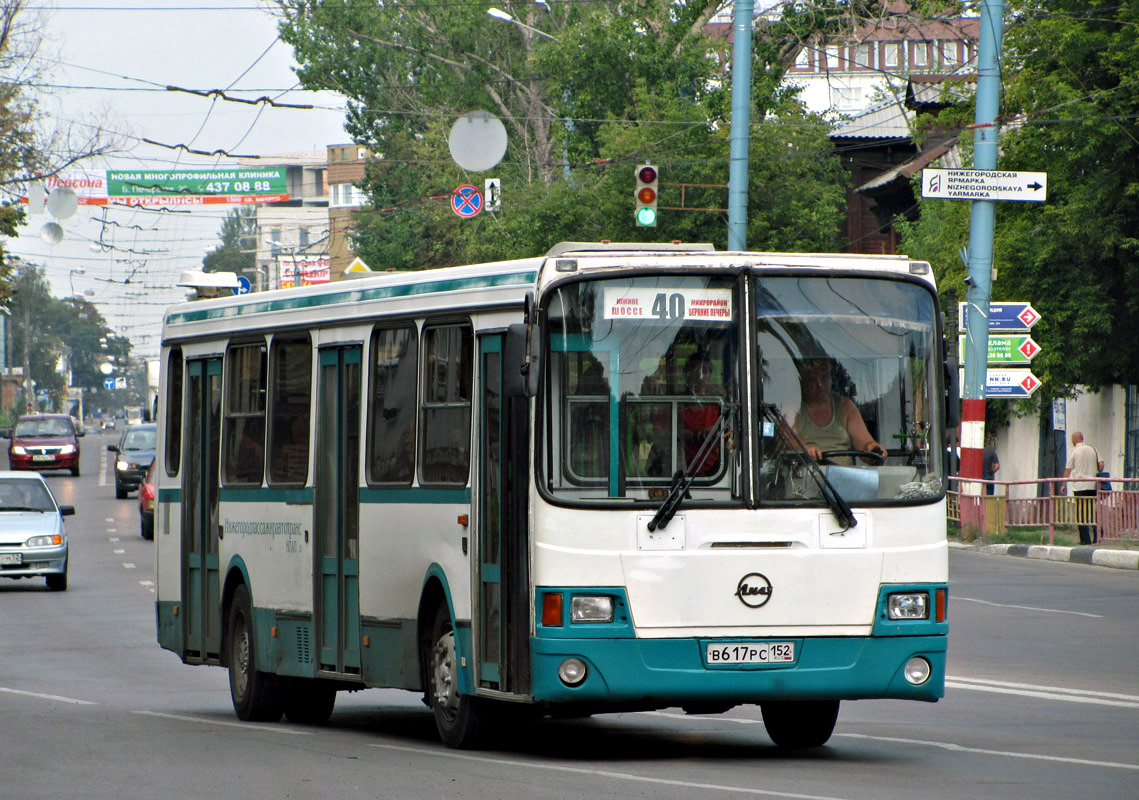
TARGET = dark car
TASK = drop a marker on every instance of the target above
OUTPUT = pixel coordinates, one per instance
(146, 496)
(136, 454)
(44, 441)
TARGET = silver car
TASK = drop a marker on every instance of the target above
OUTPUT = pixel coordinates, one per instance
(32, 540)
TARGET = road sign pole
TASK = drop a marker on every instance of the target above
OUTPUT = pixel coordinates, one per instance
(980, 255)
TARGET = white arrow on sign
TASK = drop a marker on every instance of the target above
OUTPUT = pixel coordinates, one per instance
(983, 184)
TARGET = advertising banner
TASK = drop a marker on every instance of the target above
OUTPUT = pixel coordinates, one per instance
(197, 186)
(304, 270)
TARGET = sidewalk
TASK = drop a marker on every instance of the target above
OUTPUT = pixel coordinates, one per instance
(1085, 554)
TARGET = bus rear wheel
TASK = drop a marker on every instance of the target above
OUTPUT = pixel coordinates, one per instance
(799, 724)
(457, 716)
(255, 698)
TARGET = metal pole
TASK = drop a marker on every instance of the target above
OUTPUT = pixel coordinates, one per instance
(741, 124)
(980, 252)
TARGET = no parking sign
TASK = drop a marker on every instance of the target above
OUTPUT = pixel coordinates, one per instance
(466, 201)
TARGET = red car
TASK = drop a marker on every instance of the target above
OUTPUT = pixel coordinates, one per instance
(44, 441)
(146, 504)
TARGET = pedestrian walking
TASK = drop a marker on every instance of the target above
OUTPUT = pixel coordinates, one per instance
(1083, 462)
(990, 465)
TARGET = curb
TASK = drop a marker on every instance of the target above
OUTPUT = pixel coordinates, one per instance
(1095, 556)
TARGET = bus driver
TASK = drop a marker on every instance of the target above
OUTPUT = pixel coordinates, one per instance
(827, 420)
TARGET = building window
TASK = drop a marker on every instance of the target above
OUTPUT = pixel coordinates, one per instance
(833, 56)
(921, 54)
(950, 57)
(847, 98)
(803, 60)
(862, 57)
(891, 55)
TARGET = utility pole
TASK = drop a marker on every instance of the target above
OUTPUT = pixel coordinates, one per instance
(29, 390)
(979, 256)
(741, 124)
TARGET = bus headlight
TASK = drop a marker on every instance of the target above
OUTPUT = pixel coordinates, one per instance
(917, 670)
(572, 671)
(591, 608)
(908, 605)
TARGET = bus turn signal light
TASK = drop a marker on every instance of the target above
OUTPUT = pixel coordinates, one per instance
(552, 610)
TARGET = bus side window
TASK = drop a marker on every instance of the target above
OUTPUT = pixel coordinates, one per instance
(174, 412)
(391, 410)
(445, 425)
(290, 404)
(243, 437)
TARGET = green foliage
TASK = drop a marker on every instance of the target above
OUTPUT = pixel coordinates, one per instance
(51, 328)
(621, 83)
(1068, 73)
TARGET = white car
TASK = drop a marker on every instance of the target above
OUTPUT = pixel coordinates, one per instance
(32, 540)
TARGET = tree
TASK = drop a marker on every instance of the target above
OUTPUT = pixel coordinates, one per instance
(604, 86)
(35, 144)
(50, 329)
(1070, 94)
(236, 252)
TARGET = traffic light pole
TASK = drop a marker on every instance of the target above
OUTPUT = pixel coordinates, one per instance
(741, 124)
(980, 251)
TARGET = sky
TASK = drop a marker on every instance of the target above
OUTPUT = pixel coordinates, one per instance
(108, 63)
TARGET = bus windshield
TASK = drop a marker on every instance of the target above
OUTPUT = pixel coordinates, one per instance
(641, 371)
(848, 374)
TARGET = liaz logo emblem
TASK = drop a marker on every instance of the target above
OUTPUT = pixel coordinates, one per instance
(754, 590)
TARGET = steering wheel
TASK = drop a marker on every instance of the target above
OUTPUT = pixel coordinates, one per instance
(827, 455)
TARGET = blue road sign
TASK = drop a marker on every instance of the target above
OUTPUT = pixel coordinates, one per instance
(109, 383)
(1010, 384)
(1003, 317)
(466, 201)
(243, 285)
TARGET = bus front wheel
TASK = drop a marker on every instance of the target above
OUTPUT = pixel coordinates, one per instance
(255, 699)
(798, 724)
(456, 715)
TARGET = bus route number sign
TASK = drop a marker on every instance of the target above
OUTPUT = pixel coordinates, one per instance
(750, 652)
(712, 305)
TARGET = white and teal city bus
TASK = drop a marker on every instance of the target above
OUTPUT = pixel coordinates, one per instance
(562, 485)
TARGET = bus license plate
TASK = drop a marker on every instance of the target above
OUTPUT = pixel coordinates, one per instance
(11, 558)
(750, 653)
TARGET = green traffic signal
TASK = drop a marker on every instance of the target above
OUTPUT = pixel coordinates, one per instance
(646, 216)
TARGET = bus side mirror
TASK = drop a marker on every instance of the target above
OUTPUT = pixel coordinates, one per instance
(523, 344)
(952, 393)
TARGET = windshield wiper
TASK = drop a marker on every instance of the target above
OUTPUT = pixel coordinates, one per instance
(682, 481)
(838, 506)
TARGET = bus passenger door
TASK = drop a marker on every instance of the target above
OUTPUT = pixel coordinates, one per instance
(503, 561)
(200, 591)
(337, 516)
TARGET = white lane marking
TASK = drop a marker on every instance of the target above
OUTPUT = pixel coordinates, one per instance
(1027, 608)
(944, 745)
(146, 583)
(118, 551)
(1059, 689)
(625, 776)
(1046, 694)
(112, 539)
(55, 697)
(108, 519)
(128, 565)
(958, 748)
(222, 723)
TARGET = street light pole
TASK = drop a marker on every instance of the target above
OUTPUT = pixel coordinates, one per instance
(498, 13)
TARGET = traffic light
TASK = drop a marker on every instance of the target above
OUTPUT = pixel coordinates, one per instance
(646, 196)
